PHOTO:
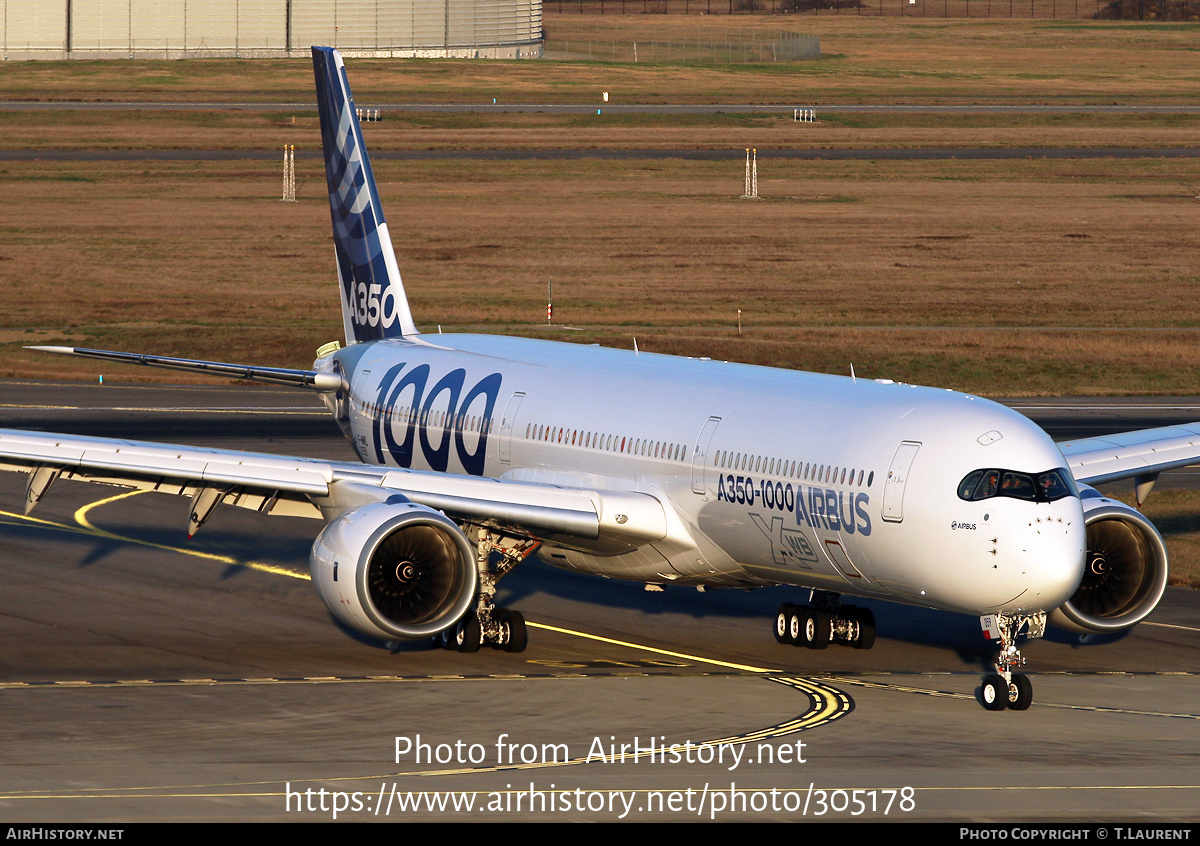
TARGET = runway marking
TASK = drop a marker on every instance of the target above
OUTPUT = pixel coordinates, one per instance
(86, 527)
(947, 694)
(829, 703)
(826, 704)
(1171, 626)
(77, 684)
(675, 672)
(82, 519)
(715, 662)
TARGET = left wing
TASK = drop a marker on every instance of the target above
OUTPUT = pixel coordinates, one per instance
(1139, 455)
(273, 484)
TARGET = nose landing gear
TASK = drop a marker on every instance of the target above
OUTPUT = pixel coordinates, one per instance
(1004, 688)
(999, 693)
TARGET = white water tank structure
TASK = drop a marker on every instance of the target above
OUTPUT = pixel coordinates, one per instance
(176, 29)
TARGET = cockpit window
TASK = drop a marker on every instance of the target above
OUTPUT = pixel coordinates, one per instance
(1053, 485)
(1044, 487)
(966, 488)
(1017, 485)
(979, 484)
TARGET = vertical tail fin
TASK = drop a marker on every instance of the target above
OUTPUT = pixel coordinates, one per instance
(373, 301)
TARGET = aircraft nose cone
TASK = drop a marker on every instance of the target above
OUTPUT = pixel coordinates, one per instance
(1055, 556)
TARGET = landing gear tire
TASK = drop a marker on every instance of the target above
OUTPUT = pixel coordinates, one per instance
(1020, 692)
(467, 634)
(817, 630)
(994, 693)
(518, 636)
(866, 628)
(797, 620)
(782, 617)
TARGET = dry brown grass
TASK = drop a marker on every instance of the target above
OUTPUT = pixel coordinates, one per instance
(872, 59)
(805, 10)
(920, 271)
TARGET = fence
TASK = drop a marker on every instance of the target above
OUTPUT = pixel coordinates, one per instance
(1128, 10)
(723, 45)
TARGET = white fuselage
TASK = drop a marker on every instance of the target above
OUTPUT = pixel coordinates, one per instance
(771, 476)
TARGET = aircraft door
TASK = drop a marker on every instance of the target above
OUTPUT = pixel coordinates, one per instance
(700, 455)
(897, 478)
(506, 427)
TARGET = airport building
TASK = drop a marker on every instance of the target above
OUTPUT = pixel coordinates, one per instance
(160, 29)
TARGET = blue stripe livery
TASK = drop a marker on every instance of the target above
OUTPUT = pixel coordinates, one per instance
(374, 305)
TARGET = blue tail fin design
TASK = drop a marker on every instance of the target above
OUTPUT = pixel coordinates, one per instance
(374, 305)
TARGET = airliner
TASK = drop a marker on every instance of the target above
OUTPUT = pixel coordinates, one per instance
(478, 452)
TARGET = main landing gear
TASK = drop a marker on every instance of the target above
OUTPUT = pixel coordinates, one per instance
(823, 622)
(489, 624)
(502, 628)
(1004, 688)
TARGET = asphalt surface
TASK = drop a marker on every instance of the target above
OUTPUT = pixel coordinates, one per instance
(803, 153)
(151, 678)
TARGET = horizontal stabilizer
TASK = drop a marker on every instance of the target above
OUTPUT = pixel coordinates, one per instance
(252, 372)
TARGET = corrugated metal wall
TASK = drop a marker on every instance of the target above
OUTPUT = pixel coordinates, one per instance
(35, 24)
(176, 28)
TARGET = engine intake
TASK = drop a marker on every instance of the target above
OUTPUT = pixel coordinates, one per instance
(394, 571)
(1125, 572)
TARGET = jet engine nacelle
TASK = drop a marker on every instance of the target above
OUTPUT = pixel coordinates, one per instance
(395, 571)
(1125, 573)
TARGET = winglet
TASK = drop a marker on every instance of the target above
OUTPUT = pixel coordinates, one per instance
(374, 305)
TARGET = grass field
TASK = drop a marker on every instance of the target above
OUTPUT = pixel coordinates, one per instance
(1025, 277)
(1012, 277)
